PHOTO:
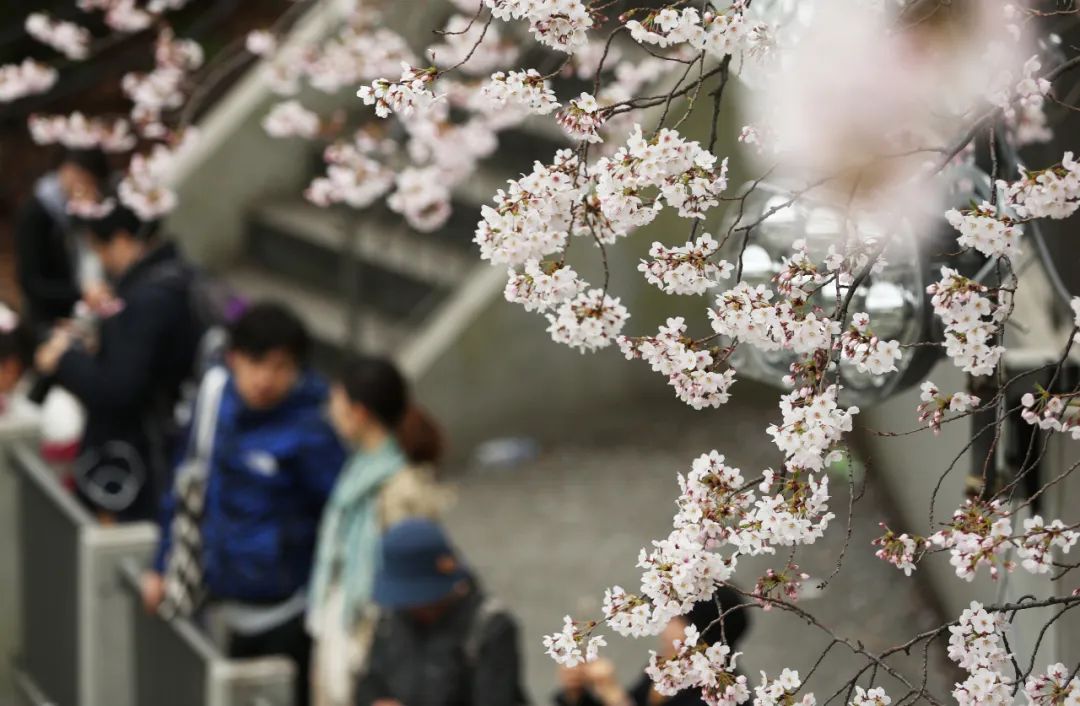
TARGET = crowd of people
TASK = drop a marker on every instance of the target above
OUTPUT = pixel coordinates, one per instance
(299, 516)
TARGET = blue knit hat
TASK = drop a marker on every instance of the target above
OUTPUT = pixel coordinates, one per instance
(418, 567)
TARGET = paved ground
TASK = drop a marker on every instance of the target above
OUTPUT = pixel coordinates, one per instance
(550, 535)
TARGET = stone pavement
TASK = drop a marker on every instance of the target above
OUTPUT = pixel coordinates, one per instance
(548, 536)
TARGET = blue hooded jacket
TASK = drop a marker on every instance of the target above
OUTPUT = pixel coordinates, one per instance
(270, 475)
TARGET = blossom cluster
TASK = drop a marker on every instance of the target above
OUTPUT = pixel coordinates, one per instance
(68, 38)
(971, 321)
(691, 371)
(565, 647)
(685, 270)
(124, 15)
(25, 79)
(76, 131)
(161, 89)
(542, 286)
(781, 691)
(589, 321)
(786, 582)
(421, 196)
(560, 24)
(981, 228)
(1051, 412)
(870, 697)
(291, 119)
(710, 668)
(866, 351)
(976, 645)
(409, 94)
(813, 423)
(1036, 546)
(718, 34)
(147, 187)
(353, 176)
(521, 88)
(532, 217)
(582, 118)
(748, 313)
(934, 405)
(979, 535)
(1049, 193)
(1053, 687)
(899, 550)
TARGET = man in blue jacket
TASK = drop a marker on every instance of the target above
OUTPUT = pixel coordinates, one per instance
(246, 553)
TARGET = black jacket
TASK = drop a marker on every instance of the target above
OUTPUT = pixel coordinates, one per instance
(130, 385)
(639, 696)
(432, 665)
(45, 264)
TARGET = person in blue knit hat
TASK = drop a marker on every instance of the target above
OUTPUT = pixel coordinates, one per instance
(440, 641)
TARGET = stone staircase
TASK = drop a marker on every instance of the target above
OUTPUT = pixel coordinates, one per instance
(415, 292)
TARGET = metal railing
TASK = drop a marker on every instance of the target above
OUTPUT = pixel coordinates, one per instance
(83, 637)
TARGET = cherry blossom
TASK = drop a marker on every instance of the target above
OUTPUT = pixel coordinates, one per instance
(710, 668)
(813, 422)
(690, 370)
(786, 582)
(146, 188)
(1053, 687)
(76, 131)
(870, 697)
(899, 550)
(25, 79)
(90, 209)
(422, 197)
(1052, 412)
(260, 42)
(970, 321)
(405, 96)
(977, 536)
(1050, 193)
(1038, 541)
(666, 27)
(869, 353)
(981, 228)
(68, 38)
(291, 119)
(588, 322)
(543, 286)
(975, 644)
(524, 88)
(559, 24)
(352, 176)
(565, 647)
(781, 691)
(935, 405)
(685, 270)
(582, 118)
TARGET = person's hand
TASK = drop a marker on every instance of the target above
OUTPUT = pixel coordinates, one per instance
(604, 682)
(152, 587)
(573, 679)
(387, 702)
(99, 297)
(48, 355)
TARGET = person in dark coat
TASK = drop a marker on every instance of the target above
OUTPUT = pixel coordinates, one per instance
(272, 460)
(441, 641)
(48, 250)
(128, 374)
(595, 684)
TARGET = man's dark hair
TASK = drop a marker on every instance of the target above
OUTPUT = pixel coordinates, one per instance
(120, 220)
(705, 616)
(270, 326)
(92, 161)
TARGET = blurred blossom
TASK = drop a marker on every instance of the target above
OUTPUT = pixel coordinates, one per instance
(863, 95)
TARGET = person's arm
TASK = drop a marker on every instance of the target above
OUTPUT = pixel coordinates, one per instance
(120, 375)
(496, 674)
(31, 228)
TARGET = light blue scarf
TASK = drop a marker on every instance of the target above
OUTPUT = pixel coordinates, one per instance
(349, 532)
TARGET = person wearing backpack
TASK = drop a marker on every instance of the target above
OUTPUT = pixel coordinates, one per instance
(128, 368)
(238, 529)
(389, 477)
(441, 641)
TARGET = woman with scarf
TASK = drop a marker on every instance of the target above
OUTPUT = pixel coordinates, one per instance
(389, 478)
